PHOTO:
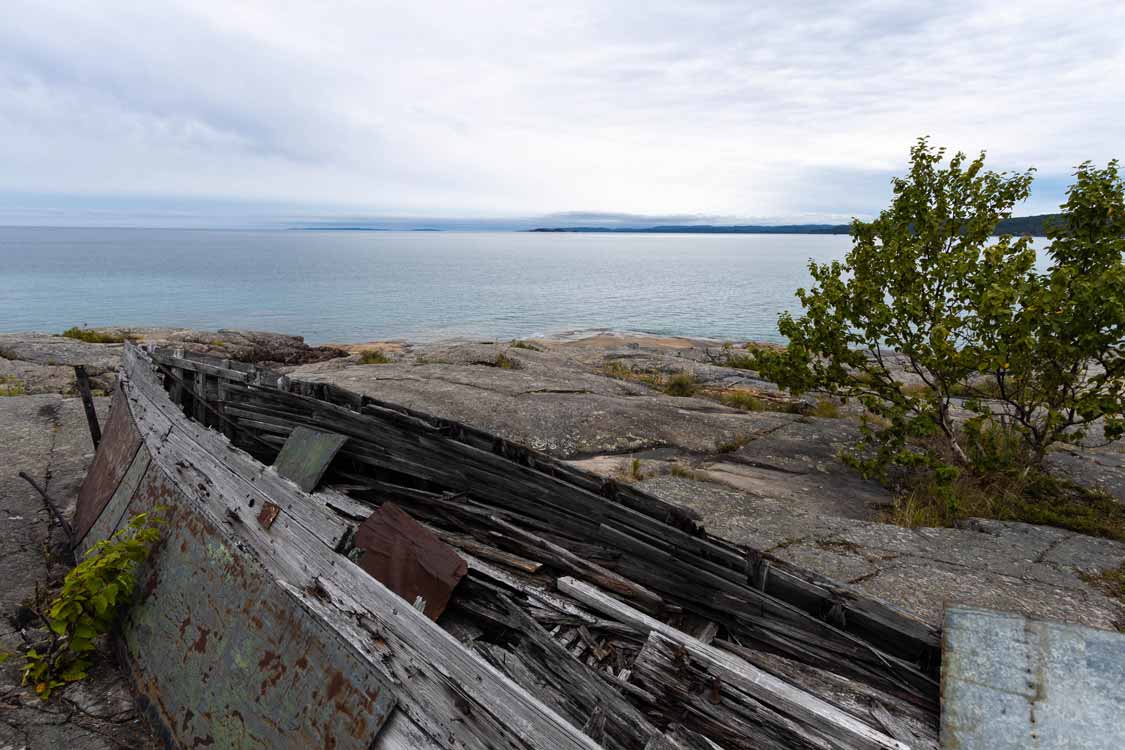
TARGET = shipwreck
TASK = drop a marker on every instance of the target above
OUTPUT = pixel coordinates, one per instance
(340, 572)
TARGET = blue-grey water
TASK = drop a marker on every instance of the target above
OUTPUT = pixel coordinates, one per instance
(358, 286)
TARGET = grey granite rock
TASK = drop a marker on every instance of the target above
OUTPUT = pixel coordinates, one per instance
(46, 436)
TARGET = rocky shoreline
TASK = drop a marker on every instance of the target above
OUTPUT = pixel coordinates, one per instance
(768, 478)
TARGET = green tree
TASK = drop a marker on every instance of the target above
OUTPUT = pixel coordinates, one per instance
(927, 289)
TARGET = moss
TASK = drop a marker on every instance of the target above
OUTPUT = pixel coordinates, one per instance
(91, 336)
(10, 385)
(374, 357)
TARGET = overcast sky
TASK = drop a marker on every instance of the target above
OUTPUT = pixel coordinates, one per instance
(224, 111)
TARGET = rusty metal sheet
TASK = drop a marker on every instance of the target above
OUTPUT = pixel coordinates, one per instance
(306, 454)
(120, 441)
(222, 656)
(408, 559)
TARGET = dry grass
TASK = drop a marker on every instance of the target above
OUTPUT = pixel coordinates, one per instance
(685, 473)
(680, 384)
(526, 345)
(825, 409)
(1027, 496)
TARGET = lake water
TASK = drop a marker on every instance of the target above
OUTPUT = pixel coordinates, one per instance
(421, 286)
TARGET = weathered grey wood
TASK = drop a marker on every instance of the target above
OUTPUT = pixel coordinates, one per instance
(217, 371)
(214, 455)
(306, 455)
(537, 593)
(765, 687)
(114, 512)
(451, 695)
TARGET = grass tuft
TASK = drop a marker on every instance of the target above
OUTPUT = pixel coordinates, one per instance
(10, 385)
(91, 336)
(825, 409)
(1111, 581)
(525, 345)
(681, 384)
(374, 357)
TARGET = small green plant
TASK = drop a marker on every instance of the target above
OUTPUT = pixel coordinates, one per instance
(681, 384)
(91, 336)
(374, 357)
(10, 385)
(92, 595)
(504, 362)
(525, 345)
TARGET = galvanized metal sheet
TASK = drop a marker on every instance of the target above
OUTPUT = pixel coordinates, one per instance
(1010, 683)
(222, 656)
(119, 445)
(306, 454)
(408, 559)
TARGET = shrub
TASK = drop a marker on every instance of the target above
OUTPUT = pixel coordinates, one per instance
(92, 594)
(926, 281)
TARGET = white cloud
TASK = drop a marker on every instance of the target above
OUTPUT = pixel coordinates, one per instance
(519, 108)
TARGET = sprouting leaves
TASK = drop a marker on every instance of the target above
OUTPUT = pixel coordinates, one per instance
(92, 595)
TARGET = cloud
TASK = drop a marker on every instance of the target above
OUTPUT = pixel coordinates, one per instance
(500, 109)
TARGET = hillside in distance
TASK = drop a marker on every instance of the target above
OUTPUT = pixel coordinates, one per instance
(1017, 225)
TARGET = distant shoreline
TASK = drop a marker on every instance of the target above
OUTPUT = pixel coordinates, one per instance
(1019, 225)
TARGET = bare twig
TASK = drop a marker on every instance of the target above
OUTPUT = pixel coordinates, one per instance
(53, 509)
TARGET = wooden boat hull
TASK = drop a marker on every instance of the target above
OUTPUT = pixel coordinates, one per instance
(250, 629)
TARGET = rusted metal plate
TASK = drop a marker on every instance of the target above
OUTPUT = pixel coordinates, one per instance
(222, 656)
(408, 559)
(268, 514)
(119, 445)
(1010, 683)
(306, 454)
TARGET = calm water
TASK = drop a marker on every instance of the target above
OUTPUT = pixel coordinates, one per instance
(356, 286)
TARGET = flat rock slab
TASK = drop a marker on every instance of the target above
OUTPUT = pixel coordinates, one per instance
(1010, 683)
(47, 436)
(1037, 571)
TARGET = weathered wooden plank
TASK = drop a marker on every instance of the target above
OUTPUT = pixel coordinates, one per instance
(215, 453)
(450, 693)
(194, 365)
(306, 455)
(765, 687)
(113, 514)
(115, 453)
